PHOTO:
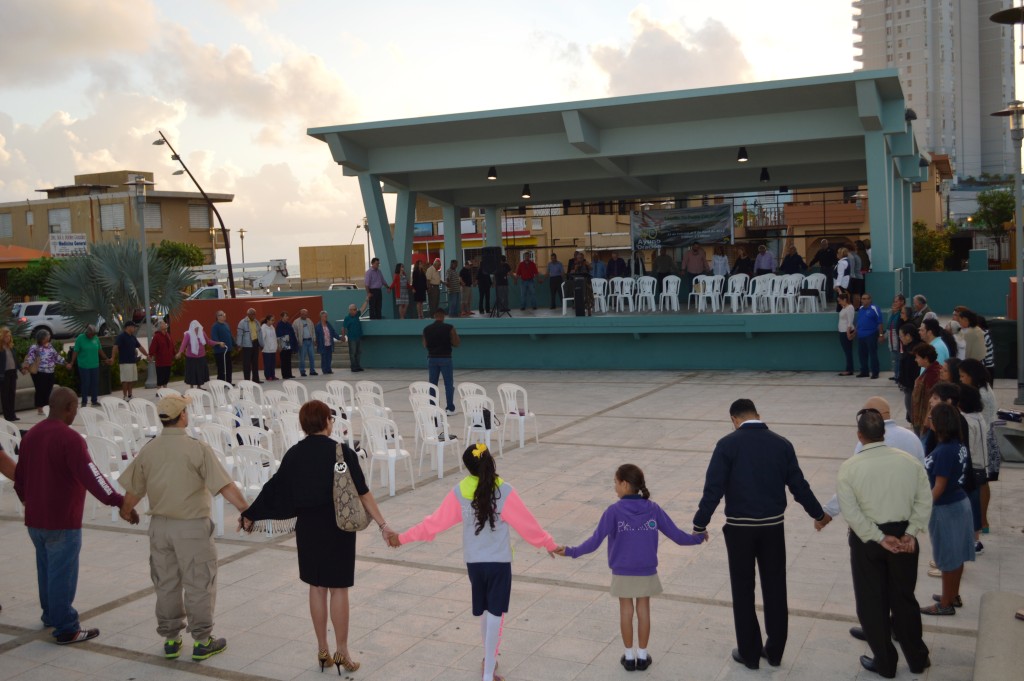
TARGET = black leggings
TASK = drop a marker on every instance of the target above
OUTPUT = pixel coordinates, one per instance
(44, 385)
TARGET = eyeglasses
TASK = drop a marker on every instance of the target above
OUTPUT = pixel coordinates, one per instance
(331, 418)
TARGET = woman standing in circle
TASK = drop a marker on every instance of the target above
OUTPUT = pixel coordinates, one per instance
(8, 374)
(161, 349)
(419, 287)
(41, 360)
(400, 287)
(268, 339)
(193, 346)
(847, 331)
(303, 488)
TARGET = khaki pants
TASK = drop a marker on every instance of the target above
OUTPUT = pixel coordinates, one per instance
(182, 557)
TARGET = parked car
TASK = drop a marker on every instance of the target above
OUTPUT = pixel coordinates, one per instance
(47, 314)
(217, 292)
(342, 287)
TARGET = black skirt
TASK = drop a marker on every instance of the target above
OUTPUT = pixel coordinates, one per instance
(327, 555)
(197, 371)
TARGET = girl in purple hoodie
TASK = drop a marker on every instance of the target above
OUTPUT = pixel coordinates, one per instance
(631, 525)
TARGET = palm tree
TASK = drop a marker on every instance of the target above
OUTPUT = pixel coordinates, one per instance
(108, 283)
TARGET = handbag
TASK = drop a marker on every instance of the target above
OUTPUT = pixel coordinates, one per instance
(33, 368)
(349, 513)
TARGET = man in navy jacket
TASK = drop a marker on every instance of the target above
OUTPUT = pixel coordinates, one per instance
(752, 467)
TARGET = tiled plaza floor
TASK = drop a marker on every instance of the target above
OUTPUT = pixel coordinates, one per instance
(410, 616)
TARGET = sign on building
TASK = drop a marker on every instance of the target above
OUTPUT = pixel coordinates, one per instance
(68, 245)
(680, 226)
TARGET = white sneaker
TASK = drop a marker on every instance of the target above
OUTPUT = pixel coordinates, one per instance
(450, 412)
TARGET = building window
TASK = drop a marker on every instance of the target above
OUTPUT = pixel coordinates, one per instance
(198, 216)
(112, 217)
(59, 220)
(6, 227)
(30, 218)
(154, 219)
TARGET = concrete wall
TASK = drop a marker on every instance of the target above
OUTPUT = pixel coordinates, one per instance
(983, 292)
(335, 302)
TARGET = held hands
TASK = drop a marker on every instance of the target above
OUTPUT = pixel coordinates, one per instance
(701, 536)
(130, 516)
(559, 551)
(819, 525)
(391, 537)
(245, 525)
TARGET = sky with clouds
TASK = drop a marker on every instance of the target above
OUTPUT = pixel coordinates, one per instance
(234, 84)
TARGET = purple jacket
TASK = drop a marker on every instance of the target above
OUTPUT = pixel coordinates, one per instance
(631, 525)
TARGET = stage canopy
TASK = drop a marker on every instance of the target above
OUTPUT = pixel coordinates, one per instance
(839, 130)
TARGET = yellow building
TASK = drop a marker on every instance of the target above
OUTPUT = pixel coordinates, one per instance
(101, 207)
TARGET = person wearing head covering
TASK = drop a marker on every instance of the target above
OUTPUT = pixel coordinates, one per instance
(180, 475)
(193, 346)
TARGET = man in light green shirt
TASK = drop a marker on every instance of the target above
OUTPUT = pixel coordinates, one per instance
(885, 498)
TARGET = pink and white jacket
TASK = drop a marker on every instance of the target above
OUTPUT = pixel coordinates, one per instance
(491, 545)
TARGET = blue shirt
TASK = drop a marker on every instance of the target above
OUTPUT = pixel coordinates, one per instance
(353, 327)
(555, 269)
(599, 269)
(222, 332)
(127, 348)
(868, 320)
(948, 460)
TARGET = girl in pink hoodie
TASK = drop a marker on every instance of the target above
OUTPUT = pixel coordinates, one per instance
(487, 507)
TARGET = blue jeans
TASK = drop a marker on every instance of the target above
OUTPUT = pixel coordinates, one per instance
(326, 353)
(354, 347)
(454, 303)
(90, 379)
(57, 571)
(442, 366)
(895, 364)
(867, 348)
(306, 350)
(527, 294)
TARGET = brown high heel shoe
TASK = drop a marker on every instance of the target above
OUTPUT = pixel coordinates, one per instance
(342, 661)
(323, 657)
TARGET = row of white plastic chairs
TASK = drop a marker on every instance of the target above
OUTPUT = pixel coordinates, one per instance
(622, 293)
(764, 293)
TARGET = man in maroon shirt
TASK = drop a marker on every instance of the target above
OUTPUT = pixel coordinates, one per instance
(54, 470)
(527, 273)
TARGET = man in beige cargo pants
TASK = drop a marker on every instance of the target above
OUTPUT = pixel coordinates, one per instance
(179, 475)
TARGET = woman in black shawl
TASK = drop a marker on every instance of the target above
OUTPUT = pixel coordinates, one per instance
(303, 488)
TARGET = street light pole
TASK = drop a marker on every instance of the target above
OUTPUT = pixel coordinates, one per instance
(1015, 112)
(224, 232)
(241, 238)
(139, 187)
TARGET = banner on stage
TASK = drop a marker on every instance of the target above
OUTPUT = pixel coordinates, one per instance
(680, 226)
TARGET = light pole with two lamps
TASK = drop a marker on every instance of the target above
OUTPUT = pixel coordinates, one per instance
(1015, 112)
(224, 232)
(138, 186)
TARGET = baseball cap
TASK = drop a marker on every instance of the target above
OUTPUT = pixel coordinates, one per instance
(170, 407)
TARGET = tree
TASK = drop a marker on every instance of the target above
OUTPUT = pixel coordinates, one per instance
(30, 281)
(8, 319)
(108, 283)
(177, 252)
(995, 209)
(931, 247)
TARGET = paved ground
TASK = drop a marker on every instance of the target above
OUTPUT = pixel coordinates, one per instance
(410, 607)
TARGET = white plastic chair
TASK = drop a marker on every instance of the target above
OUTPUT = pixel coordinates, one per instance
(625, 294)
(252, 468)
(221, 441)
(514, 406)
(385, 445)
(760, 292)
(91, 419)
(736, 292)
(249, 390)
(106, 455)
(222, 392)
(600, 288)
(290, 430)
(567, 299)
(344, 395)
(111, 405)
(374, 399)
(468, 388)
(712, 293)
(10, 443)
(249, 435)
(148, 415)
(228, 419)
(817, 281)
(343, 431)
(432, 426)
(785, 290)
(122, 437)
(424, 388)
(370, 387)
(696, 290)
(645, 287)
(272, 397)
(250, 413)
(200, 408)
(473, 407)
(669, 297)
(286, 407)
(296, 391)
(165, 392)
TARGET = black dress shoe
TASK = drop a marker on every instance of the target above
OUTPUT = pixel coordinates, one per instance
(862, 375)
(858, 633)
(920, 670)
(630, 665)
(642, 663)
(764, 654)
(869, 664)
(739, 658)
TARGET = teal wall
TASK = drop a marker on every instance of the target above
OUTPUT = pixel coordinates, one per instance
(673, 342)
(984, 292)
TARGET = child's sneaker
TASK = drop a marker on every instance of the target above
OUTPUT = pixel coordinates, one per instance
(172, 649)
(204, 650)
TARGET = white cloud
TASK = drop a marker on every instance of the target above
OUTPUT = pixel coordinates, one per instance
(663, 57)
(45, 40)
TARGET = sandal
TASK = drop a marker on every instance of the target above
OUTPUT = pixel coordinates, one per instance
(936, 609)
(341, 660)
(957, 603)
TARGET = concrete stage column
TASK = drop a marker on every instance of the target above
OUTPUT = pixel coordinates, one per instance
(493, 227)
(452, 236)
(380, 229)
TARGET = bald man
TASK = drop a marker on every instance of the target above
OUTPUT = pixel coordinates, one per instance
(54, 471)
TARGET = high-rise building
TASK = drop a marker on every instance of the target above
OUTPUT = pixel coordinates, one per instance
(956, 68)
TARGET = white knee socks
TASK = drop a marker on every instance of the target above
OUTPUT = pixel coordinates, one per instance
(490, 629)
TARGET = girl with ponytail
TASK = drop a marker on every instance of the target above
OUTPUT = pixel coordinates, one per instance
(632, 525)
(494, 507)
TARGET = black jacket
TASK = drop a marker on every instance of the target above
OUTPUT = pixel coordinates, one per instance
(752, 467)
